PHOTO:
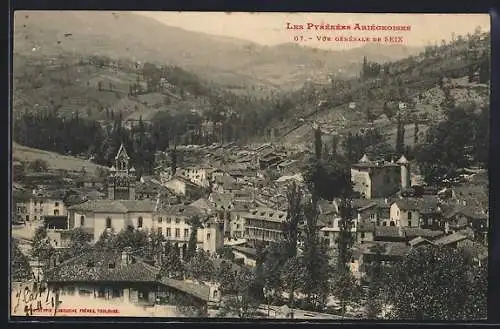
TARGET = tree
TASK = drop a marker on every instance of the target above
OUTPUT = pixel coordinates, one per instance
(292, 277)
(293, 218)
(107, 241)
(42, 248)
(317, 142)
(195, 223)
(443, 149)
(315, 260)
(375, 276)
(242, 304)
(155, 249)
(201, 267)
(79, 243)
(132, 238)
(171, 265)
(226, 278)
(19, 264)
(435, 283)
(345, 286)
(38, 165)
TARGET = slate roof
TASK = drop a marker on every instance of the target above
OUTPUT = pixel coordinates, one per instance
(449, 239)
(181, 210)
(397, 249)
(203, 205)
(387, 231)
(115, 206)
(412, 232)
(423, 205)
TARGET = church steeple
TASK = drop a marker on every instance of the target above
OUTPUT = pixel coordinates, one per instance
(122, 159)
(121, 181)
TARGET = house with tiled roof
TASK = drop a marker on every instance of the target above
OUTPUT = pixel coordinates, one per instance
(174, 222)
(42, 203)
(372, 211)
(183, 187)
(414, 212)
(120, 277)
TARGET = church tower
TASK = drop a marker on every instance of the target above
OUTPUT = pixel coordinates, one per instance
(122, 179)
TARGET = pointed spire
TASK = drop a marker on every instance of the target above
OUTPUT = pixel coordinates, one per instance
(122, 152)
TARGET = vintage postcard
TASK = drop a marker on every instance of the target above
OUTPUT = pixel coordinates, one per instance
(250, 165)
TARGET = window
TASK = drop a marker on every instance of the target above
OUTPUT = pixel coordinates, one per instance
(34, 218)
(384, 224)
(169, 220)
(160, 230)
(392, 223)
(36, 210)
(108, 222)
(41, 202)
(160, 219)
(362, 235)
(325, 233)
(177, 220)
(177, 232)
(111, 265)
(56, 204)
(139, 222)
(90, 264)
(208, 236)
(56, 212)
(409, 223)
(168, 233)
(82, 220)
(186, 233)
(116, 293)
(409, 215)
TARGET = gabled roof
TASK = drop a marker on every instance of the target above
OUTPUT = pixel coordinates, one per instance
(77, 269)
(114, 206)
(94, 266)
(122, 153)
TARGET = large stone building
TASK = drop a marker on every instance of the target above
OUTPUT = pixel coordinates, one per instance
(380, 179)
(121, 211)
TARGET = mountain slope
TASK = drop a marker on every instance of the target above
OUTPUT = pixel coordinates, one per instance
(228, 61)
(421, 80)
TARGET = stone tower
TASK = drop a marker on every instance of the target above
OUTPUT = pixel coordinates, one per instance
(405, 172)
(122, 179)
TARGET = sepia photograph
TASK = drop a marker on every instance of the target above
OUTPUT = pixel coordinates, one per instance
(237, 165)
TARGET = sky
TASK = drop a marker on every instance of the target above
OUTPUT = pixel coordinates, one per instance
(270, 28)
